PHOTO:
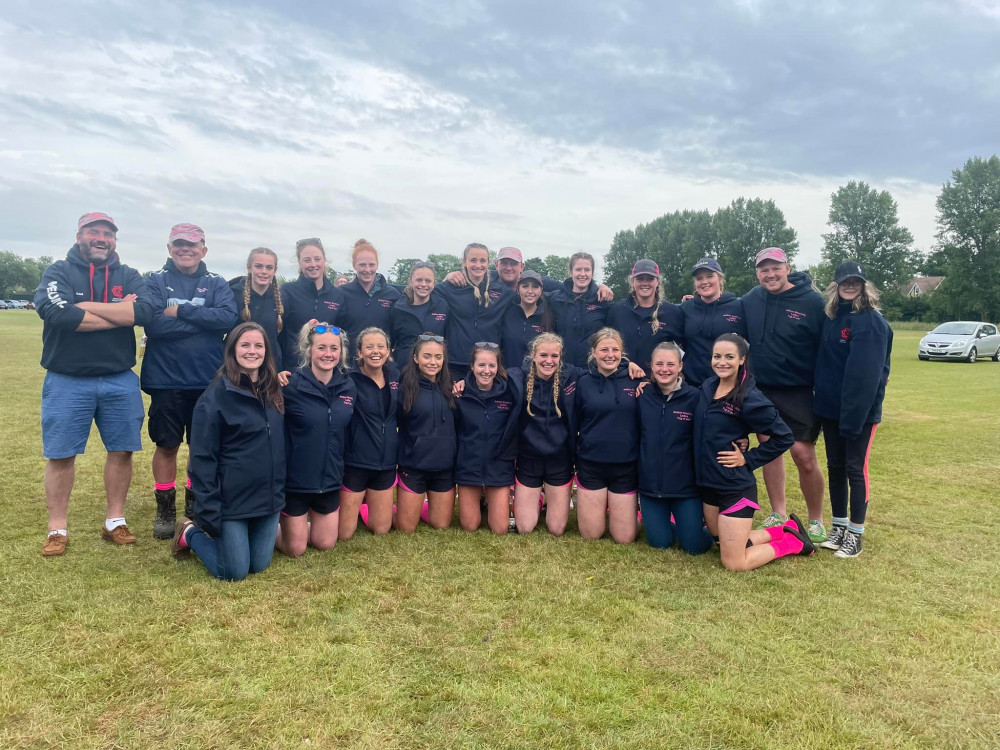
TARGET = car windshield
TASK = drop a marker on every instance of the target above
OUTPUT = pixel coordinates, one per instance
(956, 329)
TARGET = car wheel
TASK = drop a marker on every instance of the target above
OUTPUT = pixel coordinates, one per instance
(996, 356)
(972, 355)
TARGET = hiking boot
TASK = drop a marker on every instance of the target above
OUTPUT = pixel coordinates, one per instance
(180, 552)
(189, 503)
(771, 521)
(119, 535)
(817, 532)
(851, 546)
(55, 545)
(166, 514)
(835, 539)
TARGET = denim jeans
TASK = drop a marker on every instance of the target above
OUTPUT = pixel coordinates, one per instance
(688, 526)
(245, 547)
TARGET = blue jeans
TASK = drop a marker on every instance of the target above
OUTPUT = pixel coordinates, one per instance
(688, 526)
(245, 547)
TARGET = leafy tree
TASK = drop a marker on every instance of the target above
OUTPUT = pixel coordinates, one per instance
(866, 228)
(557, 266)
(536, 264)
(742, 230)
(332, 274)
(935, 263)
(821, 273)
(400, 272)
(19, 277)
(444, 263)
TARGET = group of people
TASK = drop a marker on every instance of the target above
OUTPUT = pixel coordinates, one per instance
(314, 405)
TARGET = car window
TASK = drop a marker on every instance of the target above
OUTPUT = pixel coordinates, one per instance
(956, 329)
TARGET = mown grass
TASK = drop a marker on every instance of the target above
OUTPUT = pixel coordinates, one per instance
(466, 640)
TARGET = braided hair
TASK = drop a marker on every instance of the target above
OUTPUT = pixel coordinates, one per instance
(543, 338)
(279, 308)
(475, 287)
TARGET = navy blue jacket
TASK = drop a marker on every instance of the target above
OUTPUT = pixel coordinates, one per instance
(185, 352)
(544, 432)
(373, 441)
(852, 369)
(263, 312)
(360, 309)
(784, 332)
(518, 331)
(704, 322)
(635, 326)
(607, 416)
(427, 438)
(666, 442)
(407, 321)
(303, 302)
(237, 463)
(316, 421)
(88, 353)
(548, 283)
(487, 432)
(718, 424)
(469, 321)
(578, 317)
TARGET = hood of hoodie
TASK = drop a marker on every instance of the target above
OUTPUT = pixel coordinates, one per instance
(75, 258)
(201, 270)
(473, 390)
(802, 285)
(723, 298)
(589, 296)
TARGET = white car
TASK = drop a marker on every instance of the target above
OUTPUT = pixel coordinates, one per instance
(962, 340)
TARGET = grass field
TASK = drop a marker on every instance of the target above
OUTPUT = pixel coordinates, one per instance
(449, 639)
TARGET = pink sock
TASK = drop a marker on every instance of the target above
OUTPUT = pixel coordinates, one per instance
(164, 485)
(183, 541)
(363, 512)
(776, 532)
(425, 512)
(187, 482)
(787, 544)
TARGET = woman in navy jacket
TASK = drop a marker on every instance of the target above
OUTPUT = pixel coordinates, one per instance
(577, 310)
(644, 318)
(427, 439)
(852, 370)
(310, 297)
(729, 408)
(528, 316)
(666, 456)
(710, 313)
(418, 311)
(370, 472)
(319, 403)
(237, 462)
(367, 301)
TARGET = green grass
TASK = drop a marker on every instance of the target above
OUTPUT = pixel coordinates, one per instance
(466, 640)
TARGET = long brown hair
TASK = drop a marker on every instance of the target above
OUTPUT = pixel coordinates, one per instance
(410, 379)
(279, 308)
(266, 387)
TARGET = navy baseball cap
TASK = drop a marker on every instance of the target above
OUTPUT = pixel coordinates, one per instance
(706, 264)
(849, 269)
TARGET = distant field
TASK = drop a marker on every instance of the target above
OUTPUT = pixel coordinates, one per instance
(449, 639)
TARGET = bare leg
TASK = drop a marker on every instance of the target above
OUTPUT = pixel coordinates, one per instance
(59, 474)
(811, 479)
(733, 536)
(470, 515)
(323, 529)
(379, 511)
(408, 506)
(350, 503)
(556, 508)
(117, 478)
(498, 509)
(440, 508)
(591, 512)
(293, 535)
(165, 464)
(623, 518)
(526, 507)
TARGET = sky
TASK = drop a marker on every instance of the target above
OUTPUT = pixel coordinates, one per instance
(426, 125)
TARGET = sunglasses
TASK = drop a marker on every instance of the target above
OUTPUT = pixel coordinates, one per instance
(326, 328)
(423, 264)
(431, 337)
(309, 241)
(487, 345)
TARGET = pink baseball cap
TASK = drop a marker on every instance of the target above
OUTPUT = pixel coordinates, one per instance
(771, 253)
(510, 253)
(188, 232)
(92, 218)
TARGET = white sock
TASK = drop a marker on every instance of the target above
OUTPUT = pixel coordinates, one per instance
(58, 531)
(113, 523)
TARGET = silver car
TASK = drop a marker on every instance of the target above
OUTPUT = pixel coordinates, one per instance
(962, 340)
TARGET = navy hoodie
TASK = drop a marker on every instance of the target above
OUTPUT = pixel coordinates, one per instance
(88, 353)
(407, 321)
(666, 442)
(578, 317)
(262, 311)
(427, 440)
(470, 321)
(607, 416)
(704, 322)
(373, 442)
(487, 432)
(303, 302)
(185, 352)
(519, 330)
(360, 309)
(548, 283)
(852, 369)
(635, 325)
(237, 464)
(544, 432)
(784, 331)
(718, 424)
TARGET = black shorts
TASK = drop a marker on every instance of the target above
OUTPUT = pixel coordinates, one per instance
(418, 482)
(170, 413)
(795, 407)
(299, 503)
(357, 479)
(732, 503)
(622, 479)
(534, 471)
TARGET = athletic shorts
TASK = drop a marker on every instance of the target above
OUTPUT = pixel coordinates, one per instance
(357, 479)
(70, 405)
(299, 503)
(555, 470)
(622, 479)
(795, 407)
(170, 414)
(418, 482)
(732, 503)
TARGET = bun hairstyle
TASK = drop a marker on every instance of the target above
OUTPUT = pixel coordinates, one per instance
(306, 336)
(605, 333)
(266, 387)
(543, 338)
(248, 287)
(482, 299)
(361, 246)
(739, 391)
(374, 331)
(409, 381)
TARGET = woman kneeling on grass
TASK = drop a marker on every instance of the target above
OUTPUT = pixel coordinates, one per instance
(730, 408)
(237, 462)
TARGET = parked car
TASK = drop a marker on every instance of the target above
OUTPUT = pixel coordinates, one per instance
(961, 340)
(3, 304)
(9, 304)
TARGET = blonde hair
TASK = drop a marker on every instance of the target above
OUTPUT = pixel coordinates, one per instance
(543, 338)
(248, 287)
(373, 331)
(654, 319)
(482, 299)
(361, 246)
(867, 300)
(306, 336)
(605, 333)
(720, 274)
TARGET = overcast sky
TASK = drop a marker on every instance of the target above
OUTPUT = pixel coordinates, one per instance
(432, 123)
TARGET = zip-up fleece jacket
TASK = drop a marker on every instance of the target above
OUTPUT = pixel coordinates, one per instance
(607, 416)
(237, 464)
(372, 441)
(487, 432)
(427, 439)
(360, 309)
(666, 441)
(468, 320)
(635, 325)
(185, 352)
(718, 424)
(704, 322)
(784, 332)
(303, 302)
(407, 321)
(547, 433)
(578, 317)
(316, 421)
(518, 331)
(262, 312)
(852, 369)
(92, 353)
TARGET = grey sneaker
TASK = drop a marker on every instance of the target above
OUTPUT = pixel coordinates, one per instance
(835, 538)
(817, 532)
(771, 521)
(850, 547)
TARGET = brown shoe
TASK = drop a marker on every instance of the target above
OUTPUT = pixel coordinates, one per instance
(55, 545)
(121, 535)
(176, 549)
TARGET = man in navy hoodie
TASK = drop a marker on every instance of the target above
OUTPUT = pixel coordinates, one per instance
(784, 319)
(90, 304)
(193, 310)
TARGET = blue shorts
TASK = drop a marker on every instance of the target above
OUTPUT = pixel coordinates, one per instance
(71, 404)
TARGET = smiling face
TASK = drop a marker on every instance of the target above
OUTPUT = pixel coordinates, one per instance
(324, 354)
(430, 359)
(249, 352)
(186, 255)
(509, 271)
(707, 285)
(546, 359)
(312, 262)
(608, 355)
(666, 366)
(484, 368)
(97, 242)
(262, 267)
(773, 276)
(644, 286)
(476, 263)
(726, 359)
(422, 284)
(529, 291)
(582, 274)
(366, 266)
(850, 289)
(373, 350)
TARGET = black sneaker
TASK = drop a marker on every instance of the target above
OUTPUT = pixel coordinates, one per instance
(836, 538)
(851, 546)
(798, 524)
(808, 548)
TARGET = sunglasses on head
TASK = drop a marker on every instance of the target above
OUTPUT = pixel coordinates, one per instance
(326, 328)
(487, 345)
(309, 241)
(422, 264)
(431, 337)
